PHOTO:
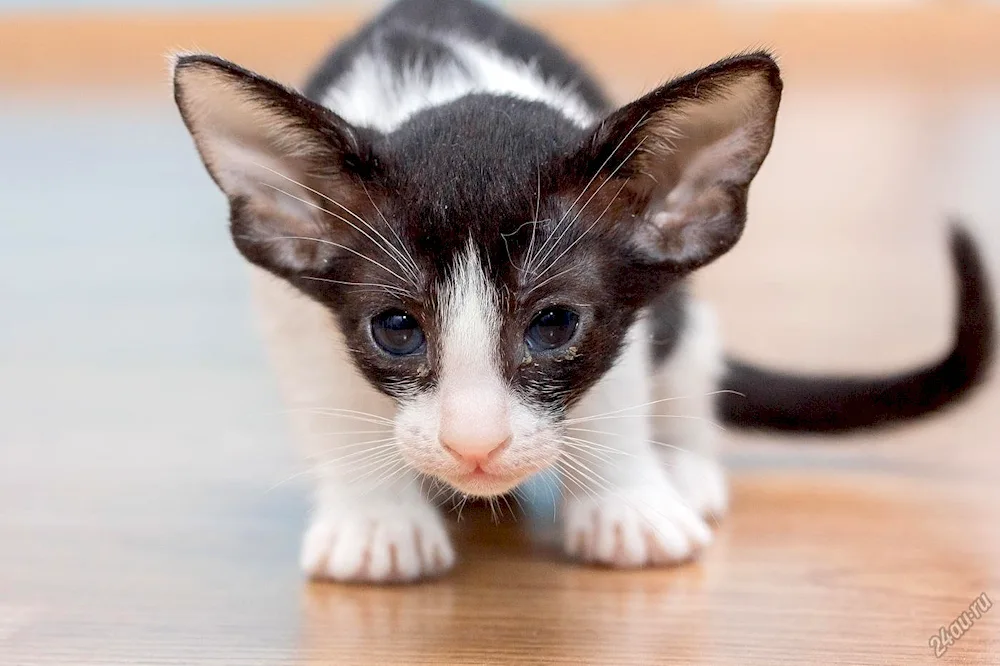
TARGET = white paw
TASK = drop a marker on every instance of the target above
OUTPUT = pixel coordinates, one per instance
(701, 481)
(635, 528)
(384, 543)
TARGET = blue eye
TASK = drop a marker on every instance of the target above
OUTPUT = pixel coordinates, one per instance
(551, 328)
(397, 332)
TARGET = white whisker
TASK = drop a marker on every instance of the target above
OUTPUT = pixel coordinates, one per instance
(345, 248)
(587, 186)
(388, 287)
(596, 446)
(652, 402)
(402, 246)
(651, 441)
(353, 432)
(550, 279)
(389, 462)
(369, 452)
(385, 473)
(652, 416)
(585, 231)
(347, 413)
(572, 222)
(360, 219)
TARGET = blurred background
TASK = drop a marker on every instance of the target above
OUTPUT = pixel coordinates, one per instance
(149, 504)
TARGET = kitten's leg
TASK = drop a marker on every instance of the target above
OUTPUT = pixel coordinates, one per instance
(683, 418)
(370, 521)
(622, 508)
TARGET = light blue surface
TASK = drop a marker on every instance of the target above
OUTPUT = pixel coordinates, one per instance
(135, 402)
(124, 305)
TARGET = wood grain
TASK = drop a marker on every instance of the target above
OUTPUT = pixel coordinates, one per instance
(148, 511)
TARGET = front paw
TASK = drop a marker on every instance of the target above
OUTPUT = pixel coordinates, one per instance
(383, 543)
(701, 482)
(637, 527)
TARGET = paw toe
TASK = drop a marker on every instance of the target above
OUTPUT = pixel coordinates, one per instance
(377, 547)
(634, 530)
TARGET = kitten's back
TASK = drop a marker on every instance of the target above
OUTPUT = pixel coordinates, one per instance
(419, 54)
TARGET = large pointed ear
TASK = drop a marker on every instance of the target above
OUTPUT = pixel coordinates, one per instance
(681, 159)
(281, 159)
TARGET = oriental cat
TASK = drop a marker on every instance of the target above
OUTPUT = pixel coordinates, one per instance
(471, 267)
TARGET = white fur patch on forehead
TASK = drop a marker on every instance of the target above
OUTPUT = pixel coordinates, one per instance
(469, 320)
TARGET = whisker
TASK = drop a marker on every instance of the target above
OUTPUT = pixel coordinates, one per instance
(416, 475)
(587, 186)
(388, 462)
(588, 229)
(550, 279)
(383, 473)
(402, 471)
(654, 402)
(402, 246)
(288, 479)
(465, 498)
(388, 287)
(560, 477)
(506, 500)
(367, 452)
(572, 222)
(651, 441)
(574, 475)
(310, 471)
(362, 419)
(344, 247)
(517, 500)
(534, 226)
(593, 452)
(352, 432)
(344, 220)
(604, 486)
(653, 416)
(346, 413)
(597, 446)
(374, 459)
(588, 474)
(441, 489)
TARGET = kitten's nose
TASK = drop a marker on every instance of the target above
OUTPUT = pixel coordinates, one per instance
(473, 452)
(475, 424)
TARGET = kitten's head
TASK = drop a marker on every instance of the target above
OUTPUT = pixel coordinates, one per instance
(485, 260)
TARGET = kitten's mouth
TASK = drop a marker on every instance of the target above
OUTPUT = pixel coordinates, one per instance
(481, 483)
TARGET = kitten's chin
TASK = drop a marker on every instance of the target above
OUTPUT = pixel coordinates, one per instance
(483, 484)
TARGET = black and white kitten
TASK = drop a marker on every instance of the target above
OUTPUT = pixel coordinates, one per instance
(472, 268)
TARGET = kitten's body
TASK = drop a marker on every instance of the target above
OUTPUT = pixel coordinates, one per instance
(466, 165)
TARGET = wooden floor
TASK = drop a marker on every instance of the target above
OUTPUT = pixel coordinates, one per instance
(150, 505)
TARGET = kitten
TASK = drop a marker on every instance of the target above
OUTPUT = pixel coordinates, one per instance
(472, 267)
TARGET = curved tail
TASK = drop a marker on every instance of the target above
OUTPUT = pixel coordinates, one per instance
(778, 401)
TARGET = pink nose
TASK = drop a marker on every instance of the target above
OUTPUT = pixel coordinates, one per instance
(474, 452)
(475, 423)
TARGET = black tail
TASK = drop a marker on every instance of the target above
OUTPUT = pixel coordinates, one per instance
(778, 401)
